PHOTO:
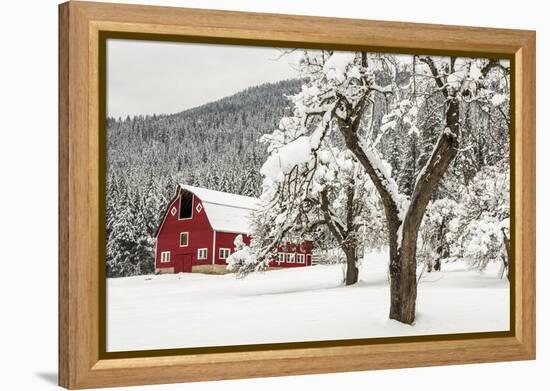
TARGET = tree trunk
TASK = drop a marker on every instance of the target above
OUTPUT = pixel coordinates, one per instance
(403, 277)
(506, 259)
(403, 247)
(403, 253)
(403, 289)
(440, 245)
(437, 265)
(503, 267)
(344, 236)
(352, 271)
(430, 266)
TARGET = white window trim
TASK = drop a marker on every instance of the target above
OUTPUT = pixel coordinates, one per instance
(286, 258)
(292, 258)
(186, 245)
(214, 249)
(203, 256)
(280, 257)
(301, 258)
(224, 250)
(162, 257)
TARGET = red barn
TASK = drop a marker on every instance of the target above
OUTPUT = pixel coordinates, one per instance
(200, 225)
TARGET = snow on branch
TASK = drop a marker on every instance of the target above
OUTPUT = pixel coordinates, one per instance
(383, 169)
(297, 152)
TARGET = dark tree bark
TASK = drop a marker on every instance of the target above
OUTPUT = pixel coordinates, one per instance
(345, 236)
(430, 266)
(506, 259)
(444, 254)
(352, 271)
(442, 250)
(403, 247)
(403, 272)
(350, 241)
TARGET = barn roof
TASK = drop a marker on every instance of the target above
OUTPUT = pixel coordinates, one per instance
(226, 212)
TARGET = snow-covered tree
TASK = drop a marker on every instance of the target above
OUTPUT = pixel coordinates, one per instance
(339, 91)
(121, 245)
(322, 195)
(434, 241)
(480, 232)
(242, 257)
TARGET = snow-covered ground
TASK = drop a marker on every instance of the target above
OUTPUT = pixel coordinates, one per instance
(291, 305)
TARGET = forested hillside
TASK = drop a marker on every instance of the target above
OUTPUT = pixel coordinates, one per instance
(214, 146)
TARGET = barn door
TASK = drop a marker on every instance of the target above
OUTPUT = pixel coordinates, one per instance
(187, 263)
(178, 264)
(183, 263)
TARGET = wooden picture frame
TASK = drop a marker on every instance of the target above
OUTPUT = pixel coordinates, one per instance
(83, 364)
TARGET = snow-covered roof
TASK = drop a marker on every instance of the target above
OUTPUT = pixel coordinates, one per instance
(226, 212)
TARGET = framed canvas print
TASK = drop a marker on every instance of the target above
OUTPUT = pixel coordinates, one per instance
(248, 195)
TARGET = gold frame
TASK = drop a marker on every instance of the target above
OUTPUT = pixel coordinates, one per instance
(82, 29)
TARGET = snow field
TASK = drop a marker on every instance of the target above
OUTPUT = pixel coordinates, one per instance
(294, 305)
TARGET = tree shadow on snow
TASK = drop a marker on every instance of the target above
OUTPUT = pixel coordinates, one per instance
(273, 291)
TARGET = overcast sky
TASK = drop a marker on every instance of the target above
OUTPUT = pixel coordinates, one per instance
(146, 77)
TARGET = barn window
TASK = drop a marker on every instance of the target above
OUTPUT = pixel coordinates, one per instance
(301, 258)
(292, 257)
(184, 239)
(186, 205)
(280, 257)
(224, 253)
(287, 257)
(165, 257)
(202, 253)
